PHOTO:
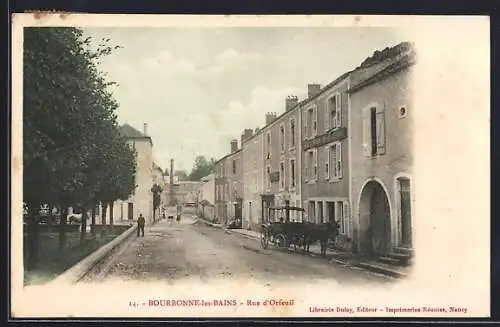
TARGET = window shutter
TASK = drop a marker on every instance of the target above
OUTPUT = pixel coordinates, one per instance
(367, 148)
(304, 123)
(338, 109)
(327, 162)
(316, 163)
(381, 132)
(327, 115)
(339, 159)
(315, 124)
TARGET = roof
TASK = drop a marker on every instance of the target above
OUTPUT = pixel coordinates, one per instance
(130, 132)
(228, 155)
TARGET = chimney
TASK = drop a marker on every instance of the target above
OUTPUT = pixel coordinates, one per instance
(313, 89)
(247, 133)
(234, 145)
(270, 117)
(171, 171)
(291, 101)
(145, 128)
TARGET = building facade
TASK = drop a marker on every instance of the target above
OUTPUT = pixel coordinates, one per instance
(206, 206)
(325, 182)
(141, 201)
(229, 185)
(381, 154)
(253, 177)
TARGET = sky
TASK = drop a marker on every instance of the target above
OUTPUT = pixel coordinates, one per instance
(199, 88)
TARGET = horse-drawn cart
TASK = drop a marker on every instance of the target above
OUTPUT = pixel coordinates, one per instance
(280, 231)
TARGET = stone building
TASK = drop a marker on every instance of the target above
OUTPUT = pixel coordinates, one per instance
(253, 177)
(381, 151)
(229, 185)
(325, 182)
(141, 201)
(206, 206)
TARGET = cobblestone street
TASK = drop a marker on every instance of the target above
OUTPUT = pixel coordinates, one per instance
(193, 251)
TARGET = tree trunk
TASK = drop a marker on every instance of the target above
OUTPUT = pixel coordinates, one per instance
(83, 230)
(50, 219)
(33, 238)
(111, 205)
(92, 226)
(103, 212)
(62, 227)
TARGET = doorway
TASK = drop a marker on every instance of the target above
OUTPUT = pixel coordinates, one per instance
(405, 218)
(130, 211)
(375, 217)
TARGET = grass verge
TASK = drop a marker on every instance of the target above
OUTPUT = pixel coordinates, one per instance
(52, 262)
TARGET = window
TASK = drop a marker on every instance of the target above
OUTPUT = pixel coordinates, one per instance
(315, 168)
(292, 173)
(310, 120)
(310, 165)
(268, 146)
(334, 112)
(312, 211)
(335, 164)
(268, 170)
(340, 215)
(327, 163)
(373, 131)
(282, 137)
(292, 132)
(234, 167)
(282, 175)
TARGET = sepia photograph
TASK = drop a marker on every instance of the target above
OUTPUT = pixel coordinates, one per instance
(194, 166)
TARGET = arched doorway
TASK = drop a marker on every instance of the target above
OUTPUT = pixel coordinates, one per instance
(375, 219)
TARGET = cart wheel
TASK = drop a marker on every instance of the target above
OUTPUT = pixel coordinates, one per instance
(280, 241)
(264, 240)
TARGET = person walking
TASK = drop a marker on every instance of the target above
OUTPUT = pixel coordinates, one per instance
(140, 225)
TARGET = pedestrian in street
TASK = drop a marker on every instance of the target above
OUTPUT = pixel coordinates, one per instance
(140, 225)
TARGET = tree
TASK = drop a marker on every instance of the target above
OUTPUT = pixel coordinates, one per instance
(201, 168)
(182, 174)
(68, 115)
(156, 190)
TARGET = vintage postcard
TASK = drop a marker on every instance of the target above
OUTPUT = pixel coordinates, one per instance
(250, 166)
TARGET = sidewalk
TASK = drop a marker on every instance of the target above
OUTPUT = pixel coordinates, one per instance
(341, 257)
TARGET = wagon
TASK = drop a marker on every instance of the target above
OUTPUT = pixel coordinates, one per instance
(279, 230)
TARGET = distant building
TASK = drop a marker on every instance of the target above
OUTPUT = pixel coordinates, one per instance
(206, 206)
(229, 185)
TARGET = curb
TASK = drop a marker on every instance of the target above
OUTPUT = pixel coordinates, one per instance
(379, 269)
(343, 261)
(83, 267)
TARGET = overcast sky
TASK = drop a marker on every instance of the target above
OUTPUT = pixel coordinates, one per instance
(198, 88)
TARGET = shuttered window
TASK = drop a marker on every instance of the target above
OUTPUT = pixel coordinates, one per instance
(338, 163)
(374, 138)
(327, 163)
(338, 110)
(380, 132)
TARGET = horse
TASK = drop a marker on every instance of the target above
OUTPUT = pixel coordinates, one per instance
(321, 232)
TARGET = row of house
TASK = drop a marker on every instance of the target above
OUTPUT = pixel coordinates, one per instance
(344, 153)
